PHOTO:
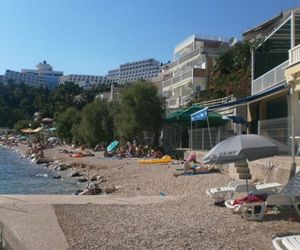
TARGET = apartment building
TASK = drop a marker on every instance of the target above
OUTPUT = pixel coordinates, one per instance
(43, 75)
(275, 90)
(28, 79)
(189, 71)
(133, 71)
(85, 81)
(114, 75)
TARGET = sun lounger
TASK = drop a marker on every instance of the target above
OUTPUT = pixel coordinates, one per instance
(289, 195)
(288, 242)
(239, 186)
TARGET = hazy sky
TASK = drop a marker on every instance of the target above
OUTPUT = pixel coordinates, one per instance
(93, 36)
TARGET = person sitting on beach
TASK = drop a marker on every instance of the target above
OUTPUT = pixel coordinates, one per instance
(121, 152)
(157, 153)
(191, 158)
(192, 169)
(130, 151)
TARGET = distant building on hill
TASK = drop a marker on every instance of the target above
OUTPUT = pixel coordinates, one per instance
(85, 81)
(189, 71)
(133, 71)
(114, 75)
(42, 76)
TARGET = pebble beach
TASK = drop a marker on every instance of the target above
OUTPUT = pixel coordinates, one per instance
(189, 221)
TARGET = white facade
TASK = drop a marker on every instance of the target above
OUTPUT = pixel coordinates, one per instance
(85, 81)
(133, 71)
(29, 79)
(43, 75)
(114, 75)
(190, 69)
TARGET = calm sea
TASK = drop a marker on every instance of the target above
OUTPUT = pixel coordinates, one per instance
(21, 176)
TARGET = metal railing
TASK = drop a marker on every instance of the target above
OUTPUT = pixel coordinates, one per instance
(173, 103)
(183, 100)
(167, 83)
(294, 55)
(201, 37)
(213, 102)
(269, 79)
(186, 74)
(199, 138)
(185, 58)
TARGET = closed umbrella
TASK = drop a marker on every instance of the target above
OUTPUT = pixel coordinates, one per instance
(241, 148)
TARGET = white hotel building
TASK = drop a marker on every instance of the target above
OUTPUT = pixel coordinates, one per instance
(44, 75)
(133, 71)
(189, 71)
(84, 81)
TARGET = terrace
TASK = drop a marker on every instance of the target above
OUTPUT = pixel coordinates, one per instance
(276, 52)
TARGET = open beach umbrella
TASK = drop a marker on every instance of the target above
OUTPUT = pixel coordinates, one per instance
(241, 148)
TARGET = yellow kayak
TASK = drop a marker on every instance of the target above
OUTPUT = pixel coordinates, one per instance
(164, 159)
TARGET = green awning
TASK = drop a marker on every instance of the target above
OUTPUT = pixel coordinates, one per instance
(183, 116)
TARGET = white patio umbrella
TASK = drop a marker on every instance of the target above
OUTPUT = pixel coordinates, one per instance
(241, 148)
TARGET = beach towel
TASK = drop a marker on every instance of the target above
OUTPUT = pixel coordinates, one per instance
(250, 199)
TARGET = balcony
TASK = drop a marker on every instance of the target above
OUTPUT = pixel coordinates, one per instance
(269, 79)
(177, 102)
(173, 103)
(185, 58)
(180, 79)
(294, 55)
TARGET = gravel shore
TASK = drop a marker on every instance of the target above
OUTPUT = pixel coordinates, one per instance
(190, 221)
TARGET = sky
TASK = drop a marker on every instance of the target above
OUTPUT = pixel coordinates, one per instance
(94, 36)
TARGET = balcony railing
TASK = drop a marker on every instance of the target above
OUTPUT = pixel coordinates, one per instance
(177, 102)
(269, 79)
(167, 83)
(294, 55)
(173, 103)
(185, 58)
(176, 80)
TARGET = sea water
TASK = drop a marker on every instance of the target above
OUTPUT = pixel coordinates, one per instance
(22, 176)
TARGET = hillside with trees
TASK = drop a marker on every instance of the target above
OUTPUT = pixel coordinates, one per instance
(82, 118)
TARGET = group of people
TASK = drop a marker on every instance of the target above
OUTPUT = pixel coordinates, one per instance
(36, 149)
(133, 150)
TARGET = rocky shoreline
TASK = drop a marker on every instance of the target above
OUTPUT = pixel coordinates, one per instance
(190, 221)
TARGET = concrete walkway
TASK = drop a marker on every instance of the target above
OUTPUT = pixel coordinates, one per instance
(29, 221)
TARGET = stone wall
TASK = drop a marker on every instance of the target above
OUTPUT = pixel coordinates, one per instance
(274, 169)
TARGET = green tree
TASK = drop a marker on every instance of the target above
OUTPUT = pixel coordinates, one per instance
(65, 121)
(63, 96)
(232, 71)
(141, 110)
(21, 124)
(96, 124)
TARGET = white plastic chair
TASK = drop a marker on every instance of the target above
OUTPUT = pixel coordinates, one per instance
(287, 243)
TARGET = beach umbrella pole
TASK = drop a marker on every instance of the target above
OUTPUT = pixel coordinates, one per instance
(247, 187)
(209, 135)
(191, 135)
